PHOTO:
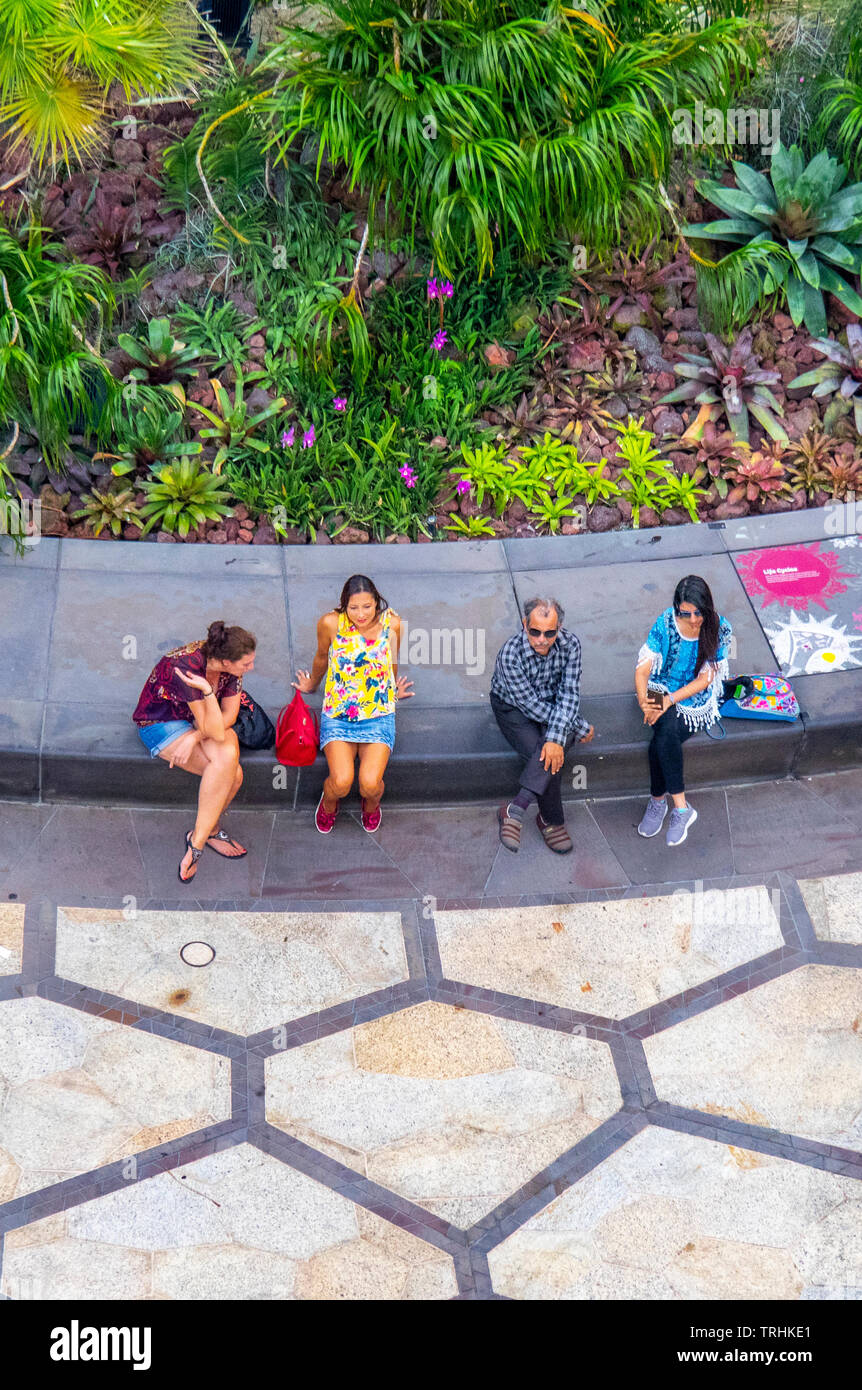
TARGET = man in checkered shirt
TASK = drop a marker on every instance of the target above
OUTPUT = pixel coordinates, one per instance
(535, 696)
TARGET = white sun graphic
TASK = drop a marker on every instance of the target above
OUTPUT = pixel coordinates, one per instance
(805, 645)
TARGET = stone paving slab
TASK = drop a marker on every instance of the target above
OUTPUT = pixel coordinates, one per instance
(238, 1224)
(81, 1091)
(834, 905)
(670, 1216)
(11, 937)
(445, 852)
(805, 1027)
(612, 958)
(267, 967)
(158, 612)
(449, 1109)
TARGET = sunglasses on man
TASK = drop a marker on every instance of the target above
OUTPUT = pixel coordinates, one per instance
(537, 632)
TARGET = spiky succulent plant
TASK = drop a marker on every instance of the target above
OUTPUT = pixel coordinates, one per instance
(730, 380)
(755, 477)
(803, 210)
(842, 373)
(161, 360)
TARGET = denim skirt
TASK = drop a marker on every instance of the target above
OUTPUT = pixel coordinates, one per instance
(158, 736)
(380, 729)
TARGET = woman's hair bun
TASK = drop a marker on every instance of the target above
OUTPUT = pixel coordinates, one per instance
(216, 631)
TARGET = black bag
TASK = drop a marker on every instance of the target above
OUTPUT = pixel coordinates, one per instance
(253, 727)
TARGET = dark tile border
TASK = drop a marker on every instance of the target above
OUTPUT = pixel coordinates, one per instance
(553, 1180)
(98, 1182)
(810, 1153)
(361, 1190)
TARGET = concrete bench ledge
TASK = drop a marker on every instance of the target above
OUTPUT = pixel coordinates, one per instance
(83, 622)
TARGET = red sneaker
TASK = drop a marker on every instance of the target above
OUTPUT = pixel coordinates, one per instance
(371, 820)
(325, 820)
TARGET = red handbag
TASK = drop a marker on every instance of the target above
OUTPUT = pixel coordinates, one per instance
(297, 734)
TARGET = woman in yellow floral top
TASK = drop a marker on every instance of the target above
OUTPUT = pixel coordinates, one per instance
(357, 648)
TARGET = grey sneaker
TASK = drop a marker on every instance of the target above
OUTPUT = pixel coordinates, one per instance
(653, 817)
(680, 821)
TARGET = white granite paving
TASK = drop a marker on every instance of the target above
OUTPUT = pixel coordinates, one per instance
(834, 905)
(238, 1224)
(609, 958)
(269, 966)
(787, 1055)
(77, 1092)
(450, 1108)
(669, 1216)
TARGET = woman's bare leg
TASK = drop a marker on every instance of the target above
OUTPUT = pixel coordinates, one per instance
(217, 765)
(340, 758)
(373, 758)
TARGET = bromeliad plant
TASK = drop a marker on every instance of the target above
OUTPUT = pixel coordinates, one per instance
(808, 460)
(842, 373)
(112, 507)
(806, 210)
(729, 380)
(232, 426)
(162, 360)
(757, 476)
(646, 474)
(182, 495)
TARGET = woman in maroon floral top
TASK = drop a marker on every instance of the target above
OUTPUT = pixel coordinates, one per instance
(186, 715)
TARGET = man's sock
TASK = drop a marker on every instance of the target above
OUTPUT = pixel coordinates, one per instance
(520, 804)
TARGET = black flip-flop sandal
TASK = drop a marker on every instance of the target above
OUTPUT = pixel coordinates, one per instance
(225, 839)
(196, 854)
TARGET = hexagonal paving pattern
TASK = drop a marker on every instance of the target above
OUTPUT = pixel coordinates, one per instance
(834, 905)
(77, 1092)
(609, 958)
(269, 966)
(451, 1109)
(669, 1216)
(804, 1028)
(238, 1224)
(11, 937)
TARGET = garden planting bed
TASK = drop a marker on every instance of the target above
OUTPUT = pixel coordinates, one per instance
(269, 360)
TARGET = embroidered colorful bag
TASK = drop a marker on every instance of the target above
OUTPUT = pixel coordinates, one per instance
(759, 697)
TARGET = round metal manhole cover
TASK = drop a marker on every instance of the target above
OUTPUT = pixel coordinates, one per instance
(197, 953)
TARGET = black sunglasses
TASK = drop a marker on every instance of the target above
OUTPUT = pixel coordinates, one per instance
(695, 613)
(537, 632)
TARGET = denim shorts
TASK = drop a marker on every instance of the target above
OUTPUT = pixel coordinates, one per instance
(158, 736)
(380, 729)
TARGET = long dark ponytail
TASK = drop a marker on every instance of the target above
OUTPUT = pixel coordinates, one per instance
(696, 591)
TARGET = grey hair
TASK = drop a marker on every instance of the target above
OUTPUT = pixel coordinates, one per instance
(545, 604)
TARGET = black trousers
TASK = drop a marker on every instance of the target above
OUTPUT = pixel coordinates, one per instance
(669, 733)
(527, 737)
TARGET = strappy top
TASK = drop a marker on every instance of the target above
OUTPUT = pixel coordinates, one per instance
(359, 678)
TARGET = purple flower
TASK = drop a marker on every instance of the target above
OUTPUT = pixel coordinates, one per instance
(308, 438)
(433, 288)
(463, 486)
(408, 475)
(438, 342)
(288, 437)
(447, 289)
(340, 402)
